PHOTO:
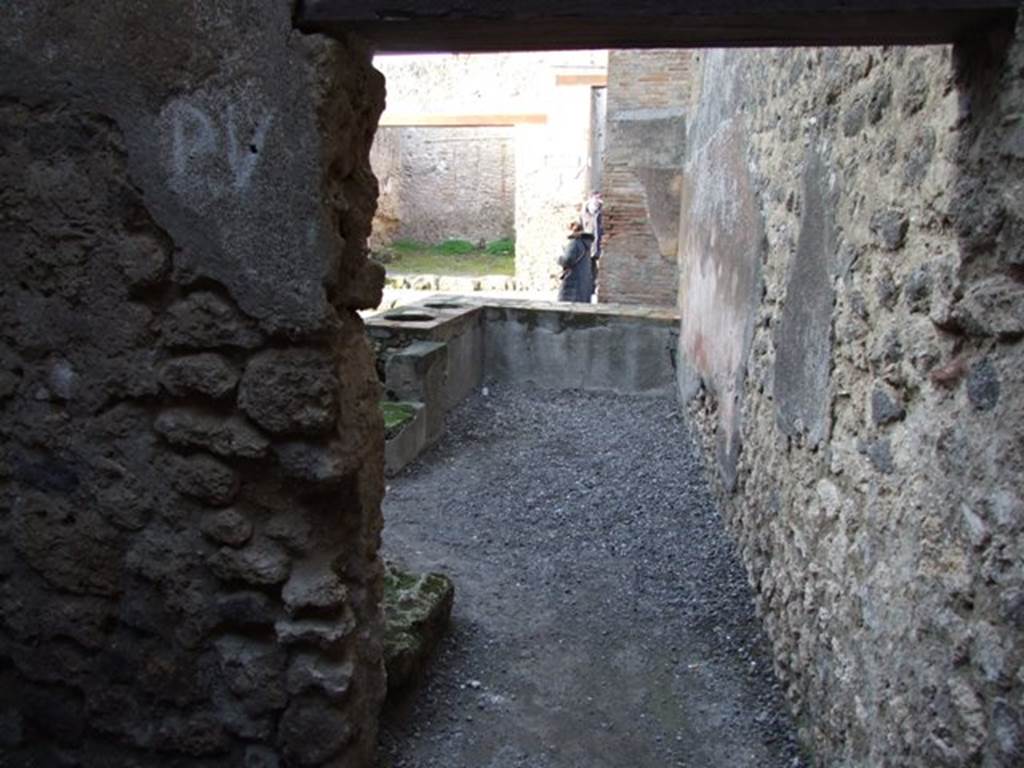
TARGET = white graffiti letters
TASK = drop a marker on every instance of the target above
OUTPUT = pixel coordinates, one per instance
(214, 151)
(243, 156)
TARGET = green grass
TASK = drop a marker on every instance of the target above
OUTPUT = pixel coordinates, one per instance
(452, 257)
(396, 415)
(506, 247)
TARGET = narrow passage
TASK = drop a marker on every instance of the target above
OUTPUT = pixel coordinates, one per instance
(601, 617)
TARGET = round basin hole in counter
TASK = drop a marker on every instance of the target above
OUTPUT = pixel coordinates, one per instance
(410, 317)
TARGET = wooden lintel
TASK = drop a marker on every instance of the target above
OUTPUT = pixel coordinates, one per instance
(389, 119)
(497, 25)
(594, 81)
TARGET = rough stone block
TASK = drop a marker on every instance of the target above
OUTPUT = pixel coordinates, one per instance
(230, 436)
(228, 527)
(28, 616)
(144, 259)
(416, 612)
(881, 98)
(206, 321)
(915, 91)
(917, 290)
(879, 452)
(886, 407)
(311, 672)
(313, 585)
(262, 563)
(919, 158)
(853, 120)
(312, 731)
(72, 547)
(994, 307)
(126, 505)
(291, 391)
(204, 478)
(205, 374)
(318, 463)
(292, 529)
(237, 720)
(890, 226)
(323, 633)
(253, 671)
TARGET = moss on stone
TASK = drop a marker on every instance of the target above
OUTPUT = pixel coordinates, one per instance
(574, 320)
(396, 416)
(416, 613)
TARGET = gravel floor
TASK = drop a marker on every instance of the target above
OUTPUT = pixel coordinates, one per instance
(601, 617)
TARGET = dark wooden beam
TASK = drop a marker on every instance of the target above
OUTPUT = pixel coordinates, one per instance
(500, 25)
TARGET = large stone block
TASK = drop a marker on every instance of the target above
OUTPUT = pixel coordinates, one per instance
(313, 586)
(312, 731)
(229, 527)
(416, 610)
(203, 477)
(312, 672)
(318, 463)
(72, 547)
(328, 633)
(206, 321)
(230, 436)
(262, 563)
(206, 374)
(254, 671)
(291, 391)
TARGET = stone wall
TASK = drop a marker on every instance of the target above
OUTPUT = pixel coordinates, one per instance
(852, 320)
(648, 98)
(442, 183)
(191, 456)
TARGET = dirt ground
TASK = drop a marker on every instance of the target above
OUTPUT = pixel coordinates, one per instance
(601, 617)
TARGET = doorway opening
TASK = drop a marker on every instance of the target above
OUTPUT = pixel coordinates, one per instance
(840, 152)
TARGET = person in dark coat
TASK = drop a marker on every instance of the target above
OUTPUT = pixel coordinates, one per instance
(577, 272)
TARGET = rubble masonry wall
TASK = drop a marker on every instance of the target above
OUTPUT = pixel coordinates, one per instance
(852, 315)
(190, 477)
(439, 184)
